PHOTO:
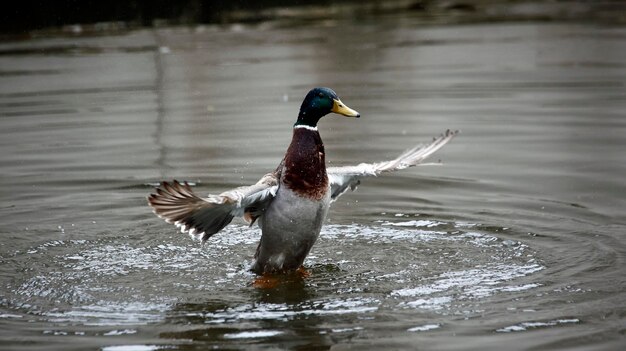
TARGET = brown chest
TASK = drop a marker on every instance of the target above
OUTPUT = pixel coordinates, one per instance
(305, 165)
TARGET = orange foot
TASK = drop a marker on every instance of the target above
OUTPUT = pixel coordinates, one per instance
(271, 281)
(266, 281)
(302, 272)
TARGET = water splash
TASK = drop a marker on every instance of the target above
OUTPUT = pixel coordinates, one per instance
(533, 325)
(119, 282)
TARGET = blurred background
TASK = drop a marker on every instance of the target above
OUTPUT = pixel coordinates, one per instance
(35, 15)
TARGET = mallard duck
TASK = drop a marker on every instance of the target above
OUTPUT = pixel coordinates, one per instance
(290, 204)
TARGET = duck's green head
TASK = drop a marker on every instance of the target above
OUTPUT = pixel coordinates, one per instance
(318, 103)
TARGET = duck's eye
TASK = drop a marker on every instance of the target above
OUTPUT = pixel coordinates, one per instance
(321, 94)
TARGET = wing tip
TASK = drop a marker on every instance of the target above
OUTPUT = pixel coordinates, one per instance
(176, 203)
(451, 133)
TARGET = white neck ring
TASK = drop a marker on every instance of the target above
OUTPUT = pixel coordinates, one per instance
(305, 127)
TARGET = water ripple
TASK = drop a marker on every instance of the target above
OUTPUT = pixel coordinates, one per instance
(113, 282)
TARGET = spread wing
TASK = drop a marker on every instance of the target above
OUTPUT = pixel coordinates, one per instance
(202, 217)
(344, 178)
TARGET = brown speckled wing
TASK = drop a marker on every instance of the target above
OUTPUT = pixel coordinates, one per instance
(176, 203)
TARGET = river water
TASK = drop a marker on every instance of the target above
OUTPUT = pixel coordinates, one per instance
(516, 241)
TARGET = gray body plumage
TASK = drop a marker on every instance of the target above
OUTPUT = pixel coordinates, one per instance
(290, 226)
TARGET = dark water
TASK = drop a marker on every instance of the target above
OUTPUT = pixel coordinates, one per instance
(516, 242)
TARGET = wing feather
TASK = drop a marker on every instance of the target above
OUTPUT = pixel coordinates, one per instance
(347, 178)
(176, 203)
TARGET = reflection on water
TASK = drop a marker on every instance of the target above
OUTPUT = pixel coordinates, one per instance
(513, 239)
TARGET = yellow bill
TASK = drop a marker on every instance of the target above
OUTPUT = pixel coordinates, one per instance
(340, 108)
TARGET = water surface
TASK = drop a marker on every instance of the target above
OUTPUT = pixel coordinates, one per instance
(517, 239)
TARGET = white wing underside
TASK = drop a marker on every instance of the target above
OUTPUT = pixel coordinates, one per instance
(348, 177)
(202, 217)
